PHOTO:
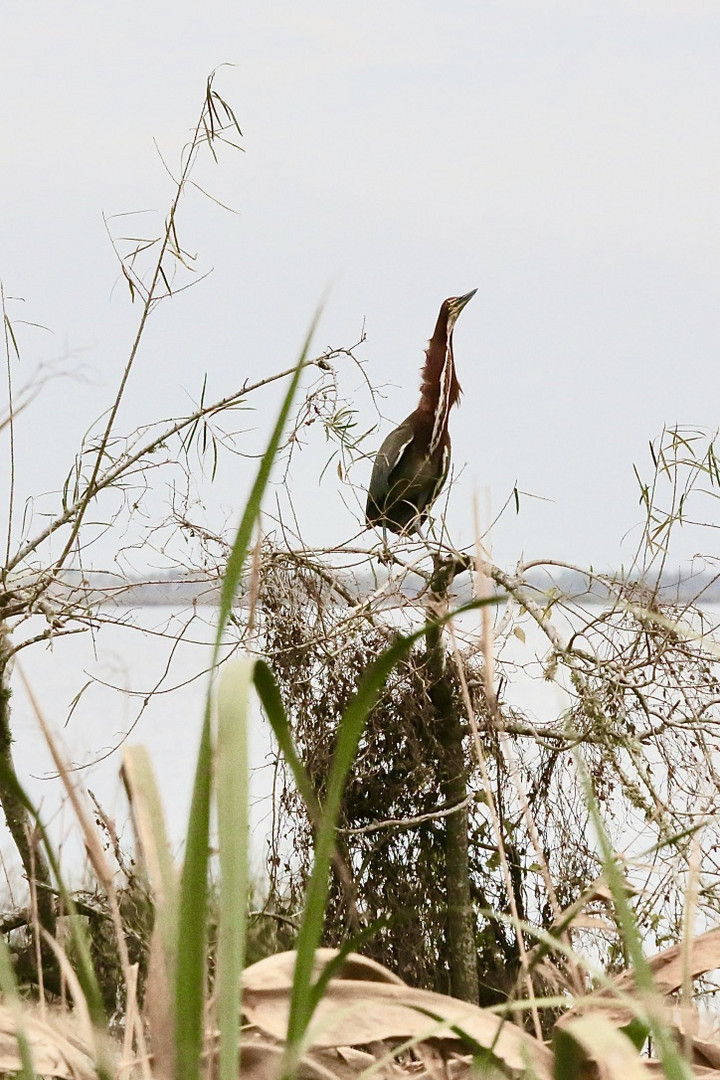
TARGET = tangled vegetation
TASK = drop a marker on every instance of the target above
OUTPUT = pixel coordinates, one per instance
(503, 875)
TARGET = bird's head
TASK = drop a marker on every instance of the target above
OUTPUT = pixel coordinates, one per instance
(453, 306)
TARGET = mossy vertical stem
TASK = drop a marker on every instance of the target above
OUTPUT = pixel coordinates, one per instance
(452, 774)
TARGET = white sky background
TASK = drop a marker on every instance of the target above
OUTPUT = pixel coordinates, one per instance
(562, 157)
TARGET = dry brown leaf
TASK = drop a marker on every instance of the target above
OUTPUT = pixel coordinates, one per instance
(667, 966)
(53, 1053)
(667, 969)
(261, 1061)
(655, 1068)
(696, 1034)
(160, 1016)
(592, 922)
(706, 1052)
(276, 972)
(345, 1062)
(359, 1059)
(357, 1012)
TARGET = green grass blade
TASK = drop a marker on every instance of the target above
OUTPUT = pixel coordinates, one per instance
(593, 1043)
(233, 840)
(350, 730)
(272, 703)
(675, 1067)
(190, 971)
(269, 694)
(192, 928)
(336, 964)
(238, 554)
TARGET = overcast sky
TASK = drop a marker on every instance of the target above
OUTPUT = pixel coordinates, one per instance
(561, 157)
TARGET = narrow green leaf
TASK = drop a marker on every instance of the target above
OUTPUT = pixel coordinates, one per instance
(233, 840)
(271, 700)
(192, 920)
(11, 336)
(652, 455)
(637, 1032)
(592, 1042)
(350, 730)
(674, 1065)
(236, 560)
(335, 965)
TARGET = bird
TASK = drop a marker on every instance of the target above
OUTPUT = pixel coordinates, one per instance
(412, 465)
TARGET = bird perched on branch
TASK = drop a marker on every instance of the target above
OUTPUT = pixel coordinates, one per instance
(412, 464)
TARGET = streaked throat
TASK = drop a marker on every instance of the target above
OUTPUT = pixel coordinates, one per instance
(442, 410)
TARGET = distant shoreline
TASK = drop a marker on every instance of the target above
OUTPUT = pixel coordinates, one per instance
(110, 589)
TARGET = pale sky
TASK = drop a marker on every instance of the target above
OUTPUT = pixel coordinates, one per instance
(561, 157)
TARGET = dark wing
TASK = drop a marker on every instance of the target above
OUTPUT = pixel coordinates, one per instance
(387, 458)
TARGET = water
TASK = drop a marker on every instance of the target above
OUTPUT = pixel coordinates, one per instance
(140, 683)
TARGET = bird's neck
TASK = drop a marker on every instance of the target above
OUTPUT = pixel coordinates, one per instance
(440, 389)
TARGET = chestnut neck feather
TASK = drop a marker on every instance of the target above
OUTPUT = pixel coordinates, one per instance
(439, 351)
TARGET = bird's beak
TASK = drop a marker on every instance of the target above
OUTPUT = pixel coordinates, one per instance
(456, 305)
(459, 302)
